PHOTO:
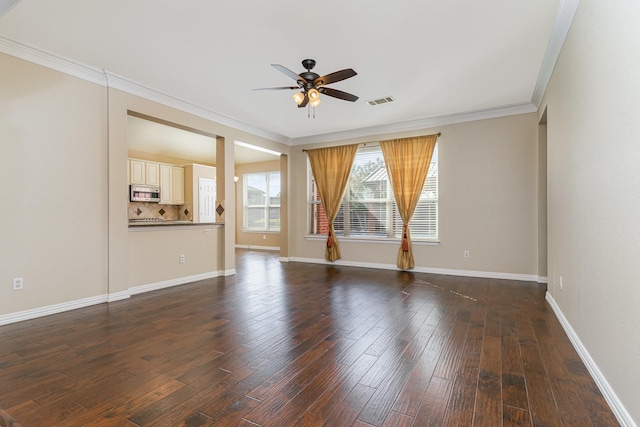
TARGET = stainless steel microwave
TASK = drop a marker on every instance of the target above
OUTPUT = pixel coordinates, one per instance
(144, 193)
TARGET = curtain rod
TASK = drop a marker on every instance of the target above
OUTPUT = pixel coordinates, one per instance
(364, 143)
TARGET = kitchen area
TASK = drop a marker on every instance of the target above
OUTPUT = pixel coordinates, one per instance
(175, 223)
(169, 194)
(179, 226)
(171, 175)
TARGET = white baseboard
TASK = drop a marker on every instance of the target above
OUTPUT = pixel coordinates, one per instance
(51, 309)
(117, 296)
(174, 282)
(445, 271)
(610, 396)
(261, 248)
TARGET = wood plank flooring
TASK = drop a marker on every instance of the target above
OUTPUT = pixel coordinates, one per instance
(293, 344)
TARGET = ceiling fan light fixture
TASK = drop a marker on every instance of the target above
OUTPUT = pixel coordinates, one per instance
(313, 95)
(298, 97)
(315, 102)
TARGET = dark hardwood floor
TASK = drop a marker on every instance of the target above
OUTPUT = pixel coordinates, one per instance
(293, 344)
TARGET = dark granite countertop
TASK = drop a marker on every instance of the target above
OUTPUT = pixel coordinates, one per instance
(142, 223)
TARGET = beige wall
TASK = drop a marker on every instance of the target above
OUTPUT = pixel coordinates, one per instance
(53, 181)
(487, 202)
(250, 238)
(284, 207)
(63, 166)
(542, 198)
(155, 253)
(593, 123)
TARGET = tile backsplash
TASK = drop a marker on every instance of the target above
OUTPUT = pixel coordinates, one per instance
(140, 210)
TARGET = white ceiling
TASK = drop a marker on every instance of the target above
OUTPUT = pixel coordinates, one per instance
(437, 58)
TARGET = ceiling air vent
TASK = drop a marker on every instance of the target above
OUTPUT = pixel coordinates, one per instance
(385, 100)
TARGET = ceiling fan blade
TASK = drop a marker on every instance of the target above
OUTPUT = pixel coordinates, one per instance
(338, 94)
(286, 71)
(277, 88)
(334, 77)
(304, 102)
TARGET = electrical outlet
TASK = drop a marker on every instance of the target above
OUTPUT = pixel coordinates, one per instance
(207, 230)
(467, 254)
(181, 259)
(264, 237)
(560, 282)
(18, 284)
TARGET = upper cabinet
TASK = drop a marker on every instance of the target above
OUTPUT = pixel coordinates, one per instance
(165, 184)
(169, 178)
(178, 185)
(144, 173)
(153, 174)
(171, 185)
(137, 172)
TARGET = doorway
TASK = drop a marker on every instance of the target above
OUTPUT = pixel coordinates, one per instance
(207, 199)
(261, 215)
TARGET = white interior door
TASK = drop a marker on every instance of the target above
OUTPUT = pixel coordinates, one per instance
(207, 199)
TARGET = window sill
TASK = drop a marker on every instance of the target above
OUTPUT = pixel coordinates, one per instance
(261, 231)
(375, 241)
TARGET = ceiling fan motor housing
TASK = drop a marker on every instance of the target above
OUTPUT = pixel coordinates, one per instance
(308, 84)
(309, 76)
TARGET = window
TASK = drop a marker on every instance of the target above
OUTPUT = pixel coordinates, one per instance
(368, 208)
(261, 201)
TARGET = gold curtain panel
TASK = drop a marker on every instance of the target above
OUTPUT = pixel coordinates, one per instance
(331, 168)
(407, 161)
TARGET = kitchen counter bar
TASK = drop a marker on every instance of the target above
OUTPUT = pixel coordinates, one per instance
(137, 225)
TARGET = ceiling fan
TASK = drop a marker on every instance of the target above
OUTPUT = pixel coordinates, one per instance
(313, 85)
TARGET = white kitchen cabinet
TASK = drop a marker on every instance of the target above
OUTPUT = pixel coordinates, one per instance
(166, 187)
(171, 185)
(137, 172)
(153, 173)
(144, 173)
(178, 185)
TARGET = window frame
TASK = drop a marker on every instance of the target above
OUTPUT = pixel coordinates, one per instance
(391, 235)
(267, 206)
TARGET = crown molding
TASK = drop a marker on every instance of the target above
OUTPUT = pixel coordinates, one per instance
(49, 60)
(116, 81)
(109, 79)
(429, 122)
(566, 13)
